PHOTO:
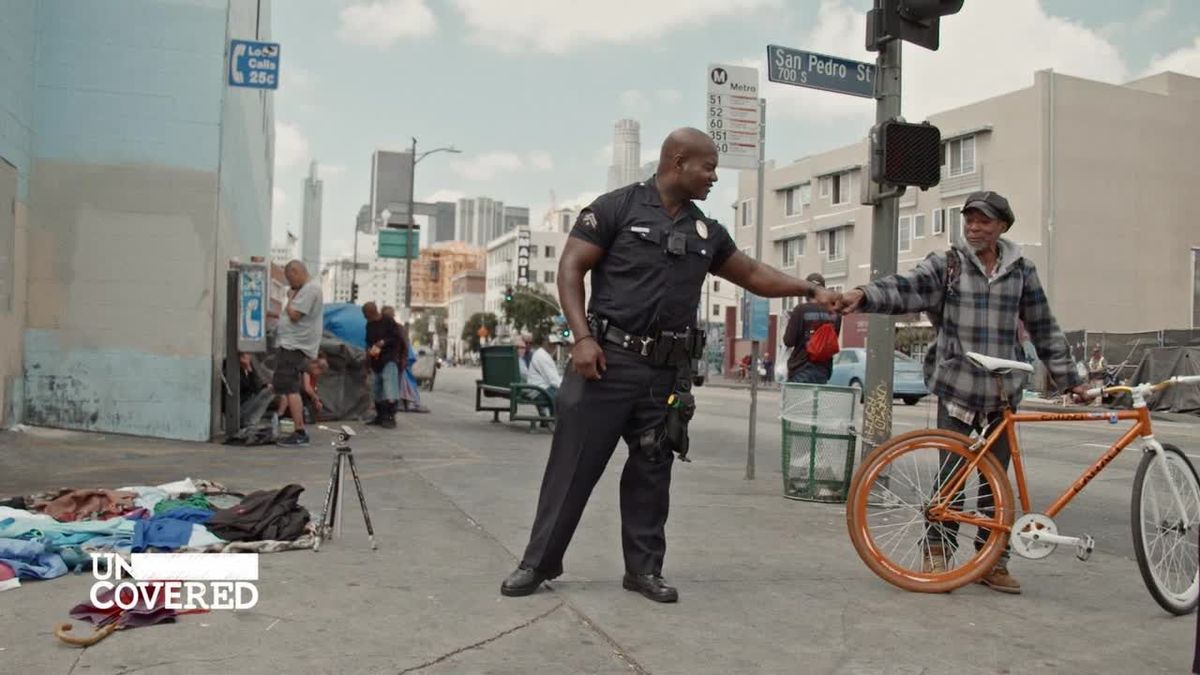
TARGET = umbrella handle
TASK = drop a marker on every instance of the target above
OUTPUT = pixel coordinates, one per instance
(64, 629)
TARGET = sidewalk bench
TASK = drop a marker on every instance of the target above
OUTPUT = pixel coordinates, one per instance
(502, 380)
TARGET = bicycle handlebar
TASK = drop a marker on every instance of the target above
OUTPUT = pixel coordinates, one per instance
(1143, 389)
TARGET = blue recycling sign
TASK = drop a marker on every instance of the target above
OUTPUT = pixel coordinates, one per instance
(755, 317)
(254, 64)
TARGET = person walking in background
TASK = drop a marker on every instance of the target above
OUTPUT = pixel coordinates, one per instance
(806, 318)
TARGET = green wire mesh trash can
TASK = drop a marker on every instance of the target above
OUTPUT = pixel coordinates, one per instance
(818, 441)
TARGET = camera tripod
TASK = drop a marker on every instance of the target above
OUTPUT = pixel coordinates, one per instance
(330, 524)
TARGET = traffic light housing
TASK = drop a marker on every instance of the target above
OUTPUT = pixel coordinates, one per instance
(906, 154)
(914, 21)
(353, 293)
(565, 333)
(508, 294)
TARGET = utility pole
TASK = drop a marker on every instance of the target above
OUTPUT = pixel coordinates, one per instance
(881, 328)
(758, 237)
(408, 259)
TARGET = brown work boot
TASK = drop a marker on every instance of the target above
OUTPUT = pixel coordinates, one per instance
(1000, 580)
(935, 559)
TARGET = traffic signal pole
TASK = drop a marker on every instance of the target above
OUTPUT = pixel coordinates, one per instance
(881, 328)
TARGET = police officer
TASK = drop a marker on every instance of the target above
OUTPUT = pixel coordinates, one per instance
(648, 248)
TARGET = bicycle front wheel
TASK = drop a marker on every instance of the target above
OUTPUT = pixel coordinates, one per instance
(1164, 531)
(899, 536)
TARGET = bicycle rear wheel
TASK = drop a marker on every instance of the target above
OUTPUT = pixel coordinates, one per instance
(1164, 537)
(887, 512)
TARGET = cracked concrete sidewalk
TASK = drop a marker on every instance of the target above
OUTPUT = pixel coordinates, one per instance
(767, 584)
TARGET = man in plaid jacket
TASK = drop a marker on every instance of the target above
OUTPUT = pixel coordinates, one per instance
(974, 302)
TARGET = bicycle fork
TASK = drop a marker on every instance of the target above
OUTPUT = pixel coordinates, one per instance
(1151, 444)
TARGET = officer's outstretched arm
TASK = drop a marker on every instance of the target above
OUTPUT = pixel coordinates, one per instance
(766, 281)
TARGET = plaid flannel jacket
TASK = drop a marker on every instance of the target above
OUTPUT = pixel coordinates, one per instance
(977, 315)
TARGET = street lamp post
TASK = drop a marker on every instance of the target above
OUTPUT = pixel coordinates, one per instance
(412, 198)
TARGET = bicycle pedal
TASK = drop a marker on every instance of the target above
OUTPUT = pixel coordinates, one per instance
(1083, 550)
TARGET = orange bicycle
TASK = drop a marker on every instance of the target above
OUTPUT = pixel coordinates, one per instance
(916, 496)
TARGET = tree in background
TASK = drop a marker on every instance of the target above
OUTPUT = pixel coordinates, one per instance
(471, 330)
(425, 324)
(531, 310)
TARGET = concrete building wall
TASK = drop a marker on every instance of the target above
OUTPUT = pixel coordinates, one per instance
(138, 194)
(1125, 171)
(17, 32)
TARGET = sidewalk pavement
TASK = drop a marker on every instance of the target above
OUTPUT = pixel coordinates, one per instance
(767, 584)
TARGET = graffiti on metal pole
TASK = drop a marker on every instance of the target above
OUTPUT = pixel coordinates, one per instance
(877, 416)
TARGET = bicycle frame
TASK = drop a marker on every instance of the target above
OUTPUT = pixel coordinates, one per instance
(1008, 426)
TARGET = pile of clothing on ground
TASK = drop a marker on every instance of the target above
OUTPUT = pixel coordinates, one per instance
(46, 535)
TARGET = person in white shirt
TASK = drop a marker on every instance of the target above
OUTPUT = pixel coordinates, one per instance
(543, 371)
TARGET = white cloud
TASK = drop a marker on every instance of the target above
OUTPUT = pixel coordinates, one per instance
(556, 26)
(633, 100)
(291, 146)
(670, 96)
(604, 156)
(487, 165)
(1143, 21)
(968, 67)
(1184, 60)
(381, 23)
(541, 160)
(297, 78)
(491, 164)
(580, 200)
(443, 195)
(331, 171)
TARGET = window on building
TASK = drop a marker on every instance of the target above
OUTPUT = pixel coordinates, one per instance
(532, 252)
(835, 243)
(549, 251)
(960, 156)
(939, 222)
(904, 234)
(805, 194)
(954, 223)
(716, 286)
(824, 181)
(716, 310)
(794, 200)
(918, 226)
(841, 188)
(745, 212)
(548, 277)
(836, 288)
(791, 249)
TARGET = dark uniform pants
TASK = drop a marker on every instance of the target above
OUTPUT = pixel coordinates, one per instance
(592, 416)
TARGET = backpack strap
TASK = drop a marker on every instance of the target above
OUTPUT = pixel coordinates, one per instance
(953, 271)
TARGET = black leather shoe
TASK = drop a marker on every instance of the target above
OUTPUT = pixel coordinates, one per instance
(651, 586)
(522, 581)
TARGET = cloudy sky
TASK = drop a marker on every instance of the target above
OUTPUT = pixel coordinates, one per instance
(529, 89)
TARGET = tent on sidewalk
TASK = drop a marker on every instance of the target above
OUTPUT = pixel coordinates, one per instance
(1160, 363)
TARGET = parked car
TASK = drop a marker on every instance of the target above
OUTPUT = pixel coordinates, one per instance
(908, 382)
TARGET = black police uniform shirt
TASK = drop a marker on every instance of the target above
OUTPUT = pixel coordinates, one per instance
(638, 285)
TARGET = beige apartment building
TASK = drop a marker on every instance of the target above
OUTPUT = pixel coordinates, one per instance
(1103, 180)
(436, 267)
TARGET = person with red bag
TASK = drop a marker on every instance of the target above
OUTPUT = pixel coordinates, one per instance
(812, 333)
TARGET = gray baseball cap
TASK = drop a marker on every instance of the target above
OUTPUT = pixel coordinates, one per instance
(991, 204)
